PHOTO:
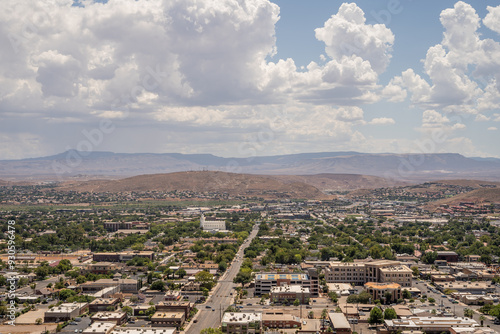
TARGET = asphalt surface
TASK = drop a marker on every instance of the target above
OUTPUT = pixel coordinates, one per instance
(456, 309)
(210, 314)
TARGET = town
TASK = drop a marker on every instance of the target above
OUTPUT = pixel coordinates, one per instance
(378, 262)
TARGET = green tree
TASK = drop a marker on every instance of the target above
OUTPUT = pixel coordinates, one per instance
(128, 310)
(181, 273)
(389, 314)
(388, 297)
(211, 330)
(406, 294)
(376, 316)
(429, 257)
(296, 302)
(66, 293)
(158, 285)
(468, 313)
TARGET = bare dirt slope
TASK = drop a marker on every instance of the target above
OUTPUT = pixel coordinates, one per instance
(204, 182)
(341, 182)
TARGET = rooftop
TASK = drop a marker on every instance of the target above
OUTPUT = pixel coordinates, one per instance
(382, 286)
(230, 317)
(272, 277)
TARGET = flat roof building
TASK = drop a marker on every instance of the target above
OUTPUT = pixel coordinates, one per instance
(113, 317)
(241, 322)
(168, 319)
(66, 311)
(99, 328)
(429, 324)
(360, 273)
(264, 282)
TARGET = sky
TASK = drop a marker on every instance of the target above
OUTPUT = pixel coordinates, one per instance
(242, 78)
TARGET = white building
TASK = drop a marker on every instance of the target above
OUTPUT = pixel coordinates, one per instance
(142, 330)
(241, 322)
(211, 225)
(429, 324)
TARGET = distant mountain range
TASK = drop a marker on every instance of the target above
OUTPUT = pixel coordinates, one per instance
(396, 167)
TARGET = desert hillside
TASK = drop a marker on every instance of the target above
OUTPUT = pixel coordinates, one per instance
(341, 182)
(204, 182)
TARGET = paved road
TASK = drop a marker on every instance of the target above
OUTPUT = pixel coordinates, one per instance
(220, 298)
(456, 309)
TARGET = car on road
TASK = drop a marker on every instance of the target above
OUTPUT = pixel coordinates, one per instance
(496, 321)
(249, 304)
(208, 306)
(309, 306)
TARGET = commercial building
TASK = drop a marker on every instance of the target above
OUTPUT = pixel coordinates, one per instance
(280, 320)
(168, 319)
(341, 289)
(102, 268)
(99, 328)
(113, 317)
(380, 291)
(242, 323)
(125, 285)
(290, 293)
(360, 273)
(175, 306)
(65, 312)
(473, 288)
(429, 324)
(212, 225)
(122, 256)
(265, 282)
(115, 226)
(339, 323)
(104, 304)
(448, 256)
(143, 330)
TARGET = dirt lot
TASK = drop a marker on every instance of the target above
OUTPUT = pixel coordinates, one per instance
(27, 329)
(29, 318)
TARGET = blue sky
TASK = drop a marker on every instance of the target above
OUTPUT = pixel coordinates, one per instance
(250, 77)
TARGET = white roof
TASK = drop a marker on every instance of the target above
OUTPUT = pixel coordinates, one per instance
(141, 330)
(230, 317)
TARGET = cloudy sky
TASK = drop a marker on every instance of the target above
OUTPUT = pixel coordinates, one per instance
(249, 77)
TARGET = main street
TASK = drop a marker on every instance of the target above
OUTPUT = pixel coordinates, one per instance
(210, 313)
